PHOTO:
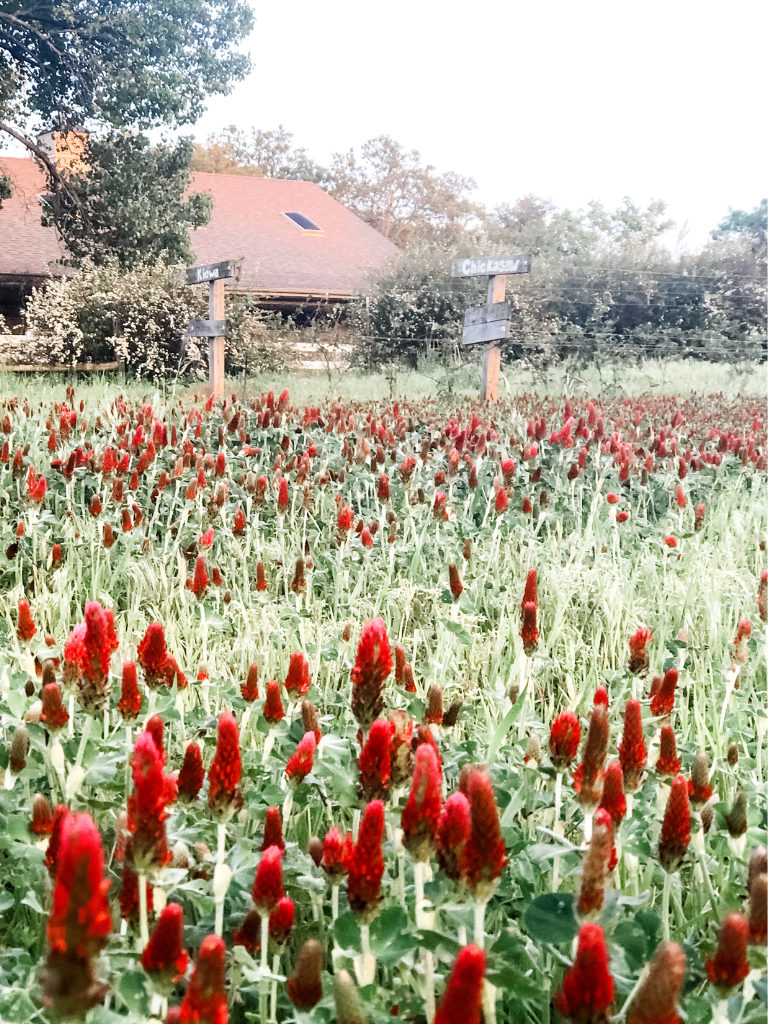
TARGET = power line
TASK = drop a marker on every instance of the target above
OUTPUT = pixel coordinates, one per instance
(617, 339)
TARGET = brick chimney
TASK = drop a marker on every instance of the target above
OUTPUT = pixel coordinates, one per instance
(66, 149)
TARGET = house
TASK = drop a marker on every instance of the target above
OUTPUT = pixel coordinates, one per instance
(296, 246)
(28, 251)
(295, 243)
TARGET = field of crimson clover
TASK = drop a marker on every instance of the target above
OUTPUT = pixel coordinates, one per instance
(360, 713)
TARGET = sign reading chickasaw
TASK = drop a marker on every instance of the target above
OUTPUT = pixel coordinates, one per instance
(478, 266)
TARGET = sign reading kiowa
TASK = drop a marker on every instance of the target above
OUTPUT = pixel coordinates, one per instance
(210, 272)
(477, 266)
(215, 327)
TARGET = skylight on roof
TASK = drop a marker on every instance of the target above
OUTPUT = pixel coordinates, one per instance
(304, 224)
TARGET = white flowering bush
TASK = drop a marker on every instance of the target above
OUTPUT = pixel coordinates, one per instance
(103, 313)
(140, 316)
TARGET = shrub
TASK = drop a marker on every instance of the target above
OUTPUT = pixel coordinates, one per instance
(105, 313)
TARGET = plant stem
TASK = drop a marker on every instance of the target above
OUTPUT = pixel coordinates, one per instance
(287, 808)
(665, 905)
(268, 744)
(588, 818)
(143, 923)
(273, 993)
(221, 836)
(480, 906)
(558, 803)
(128, 749)
(630, 997)
(429, 985)
(83, 740)
(369, 961)
(263, 984)
(418, 885)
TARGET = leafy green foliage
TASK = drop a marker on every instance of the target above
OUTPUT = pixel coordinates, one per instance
(131, 204)
(139, 65)
(106, 313)
(257, 153)
(602, 285)
(6, 188)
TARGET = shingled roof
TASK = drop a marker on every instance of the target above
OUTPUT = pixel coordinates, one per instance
(277, 258)
(26, 248)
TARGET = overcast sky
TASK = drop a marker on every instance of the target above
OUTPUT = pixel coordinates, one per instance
(570, 101)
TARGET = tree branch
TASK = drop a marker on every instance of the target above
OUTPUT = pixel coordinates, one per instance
(50, 166)
(24, 26)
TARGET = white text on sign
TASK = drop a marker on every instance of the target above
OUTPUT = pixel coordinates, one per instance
(476, 266)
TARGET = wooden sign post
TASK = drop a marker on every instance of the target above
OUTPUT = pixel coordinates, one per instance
(215, 327)
(492, 322)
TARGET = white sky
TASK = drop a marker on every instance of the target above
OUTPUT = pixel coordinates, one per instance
(571, 101)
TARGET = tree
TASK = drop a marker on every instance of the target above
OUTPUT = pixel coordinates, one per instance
(603, 283)
(268, 154)
(141, 64)
(402, 198)
(108, 65)
(745, 224)
(413, 303)
(130, 203)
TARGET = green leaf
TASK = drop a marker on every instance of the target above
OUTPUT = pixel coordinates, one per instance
(501, 731)
(17, 702)
(30, 900)
(651, 924)
(550, 918)
(17, 829)
(435, 941)
(390, 938)
(633, 939)
(6, 901)
(513, 980)
(548, 851)
(101, 1015)
(347, 932)
(458, 631)
(203, 902)
(104, 769)
(214, 620)
(133, 989)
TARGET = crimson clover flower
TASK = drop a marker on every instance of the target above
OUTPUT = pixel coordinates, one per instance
(462, 1001)
(372, 666)
(80, 920)
(633, 755)
(483, 858)
(587, 991)
(224, 793)
(420, 816)
(365, 863)
(164, 957)
(676, 827)
(374, 762)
